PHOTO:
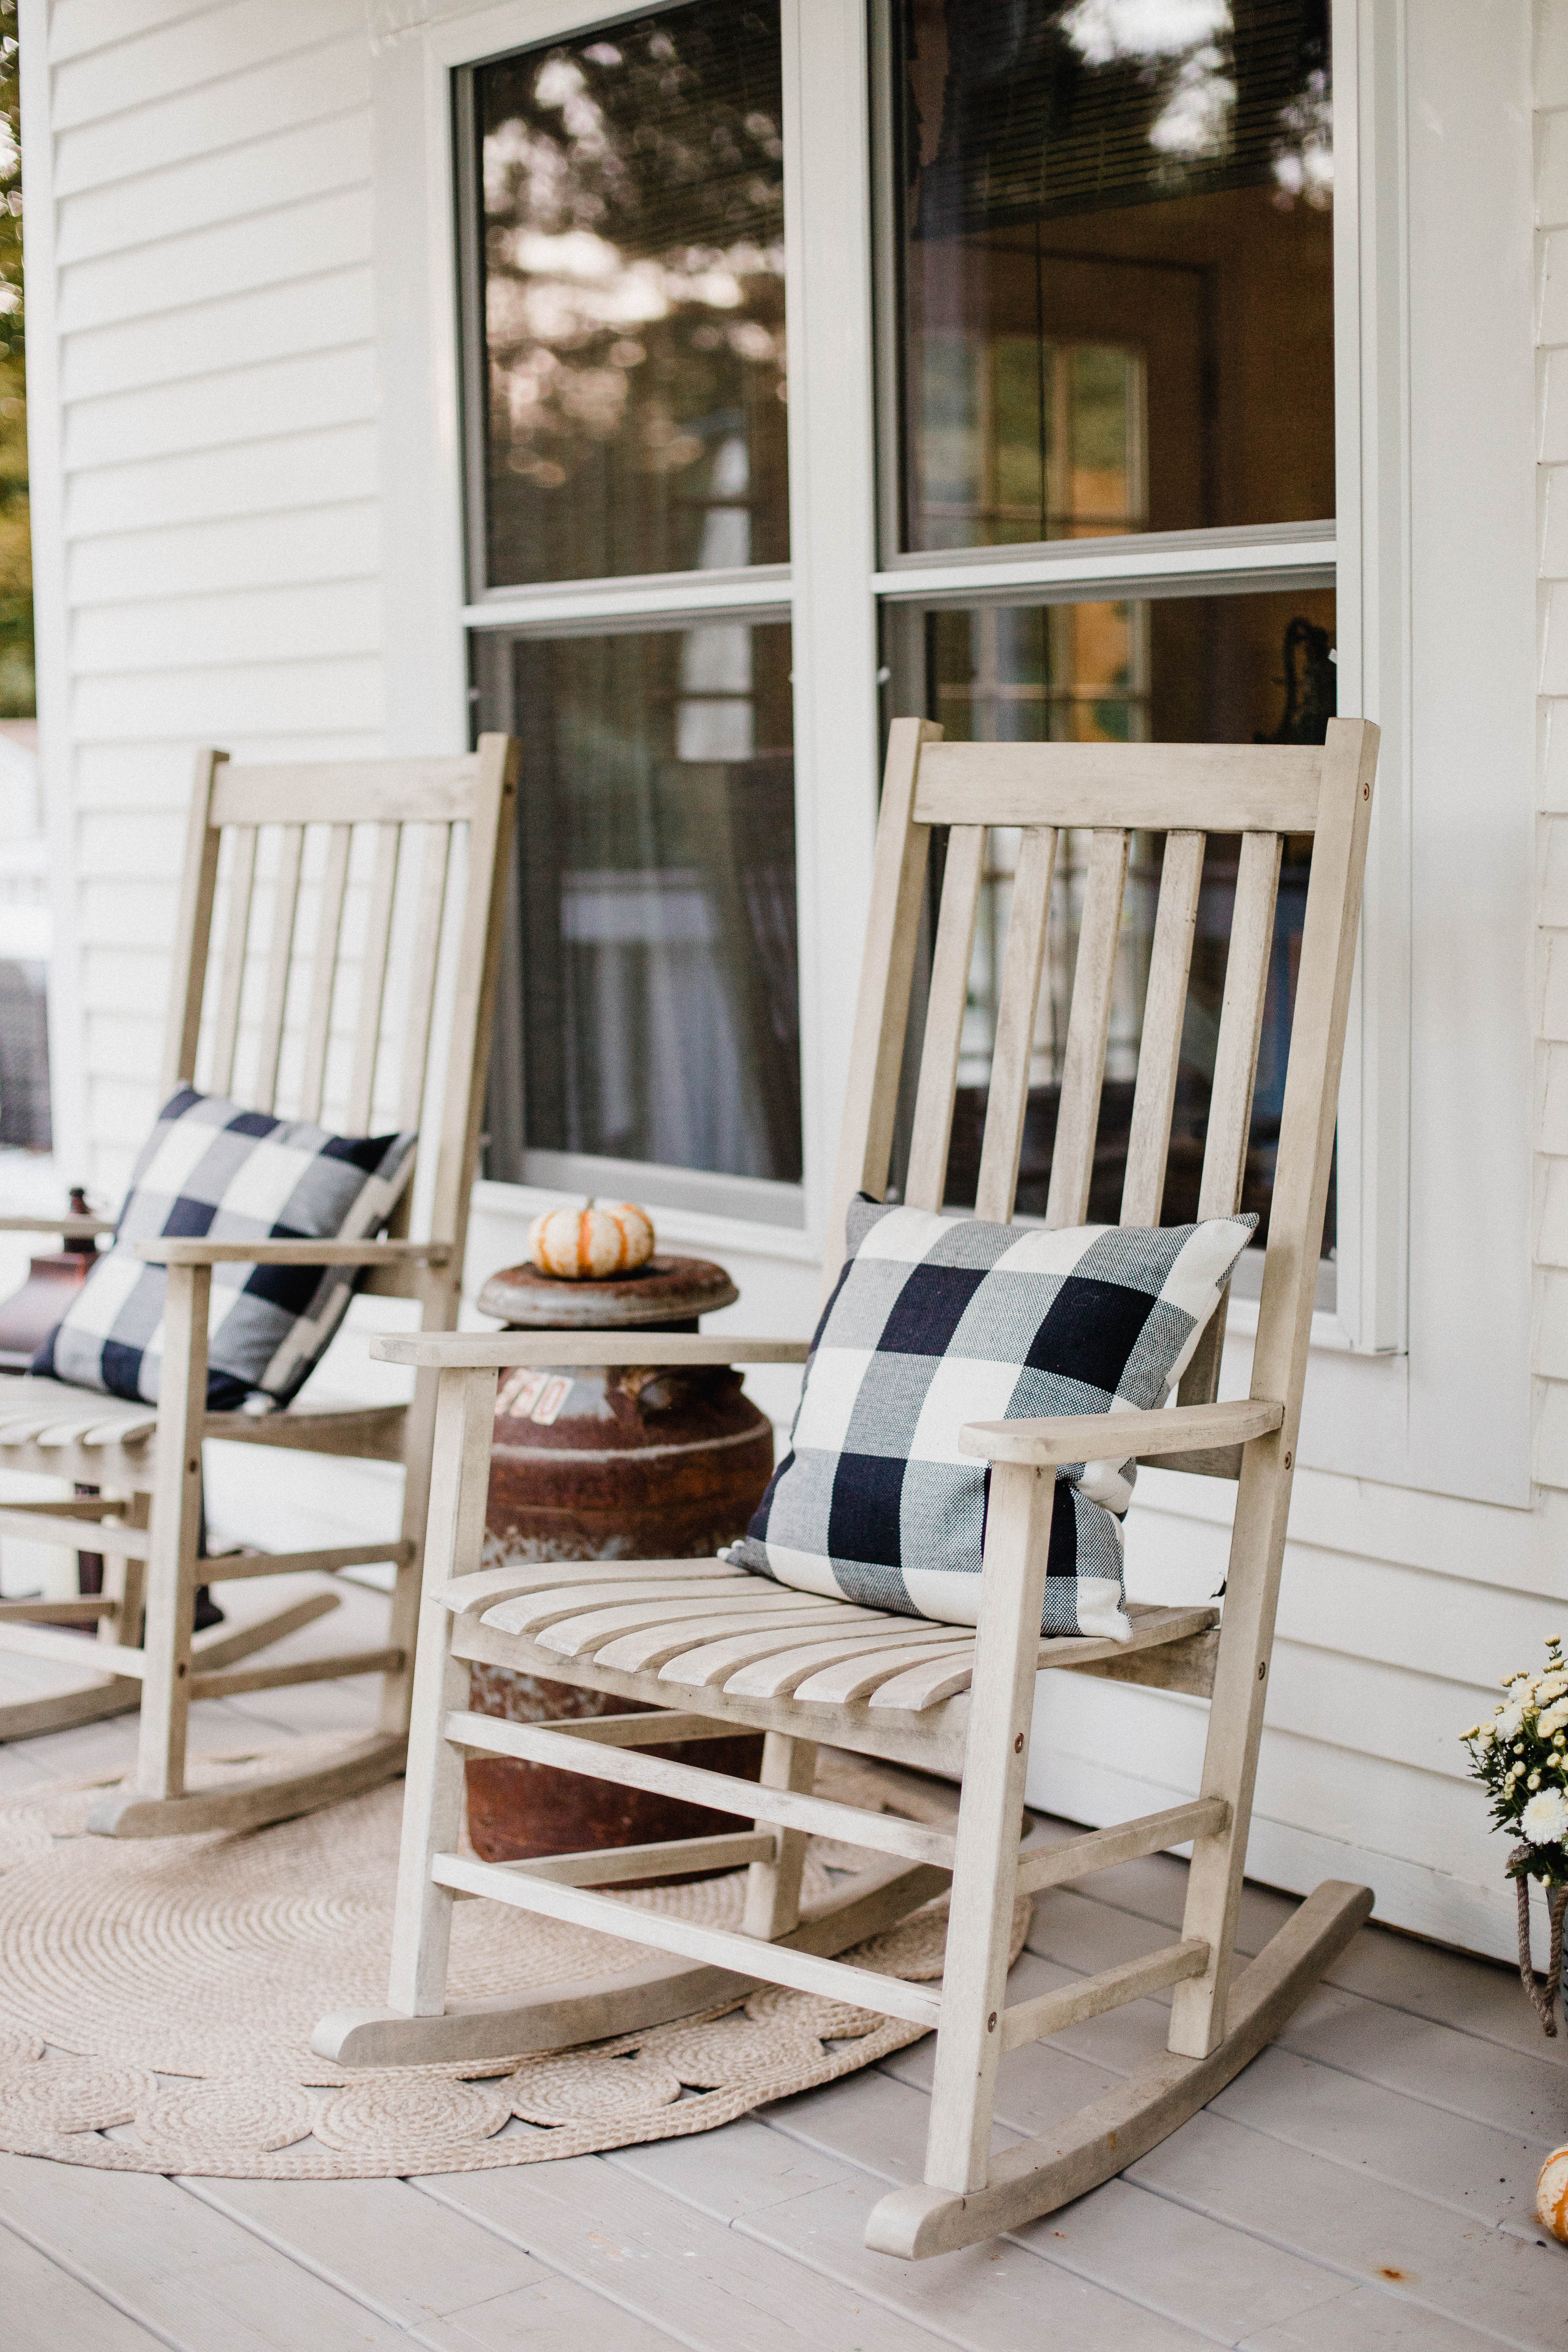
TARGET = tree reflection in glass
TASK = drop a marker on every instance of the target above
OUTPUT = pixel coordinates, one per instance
(633, 298)
(1114, 237)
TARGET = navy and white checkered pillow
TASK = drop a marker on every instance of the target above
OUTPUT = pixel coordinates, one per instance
(213, 1170)
(936, 1322)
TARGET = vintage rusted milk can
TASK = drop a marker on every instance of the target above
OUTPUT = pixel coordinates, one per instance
(621, 1464)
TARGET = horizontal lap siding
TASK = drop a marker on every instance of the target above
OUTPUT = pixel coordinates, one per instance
(1378, 1667)
(213, 317)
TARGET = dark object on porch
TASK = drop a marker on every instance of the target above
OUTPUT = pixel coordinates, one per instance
(620, 1464)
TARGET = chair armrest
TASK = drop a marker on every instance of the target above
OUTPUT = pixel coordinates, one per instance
(160, 1250)
(472, 1352)
(1115, 1436)
(74, 1229)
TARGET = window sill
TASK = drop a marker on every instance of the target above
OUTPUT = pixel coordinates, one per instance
(1330, 1335)
(689, 1228)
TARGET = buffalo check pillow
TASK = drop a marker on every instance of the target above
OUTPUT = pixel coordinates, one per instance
(211, 1170)
(936, 1322)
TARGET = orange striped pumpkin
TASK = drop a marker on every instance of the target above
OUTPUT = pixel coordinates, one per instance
(1551, 2193)
(593, 1242)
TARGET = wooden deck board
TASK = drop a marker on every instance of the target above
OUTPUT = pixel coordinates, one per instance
(1340, 2217)
(1163, 2257)
(991, 2298)
(1370, 2319)
(379, 2241)
(188, 2274)
(48, 2310)
(673, 2265)
(556, 2314)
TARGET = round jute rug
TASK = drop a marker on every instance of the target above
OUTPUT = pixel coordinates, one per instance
(157, 1999)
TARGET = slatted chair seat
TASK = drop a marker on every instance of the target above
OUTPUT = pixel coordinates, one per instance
(711, 1650)
(335, 961)
(672, 1626)
(36, 1411)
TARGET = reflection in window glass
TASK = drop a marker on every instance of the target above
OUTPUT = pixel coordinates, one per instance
(657, 893)
(1198, 669)
(632, 261)
(1114, 240)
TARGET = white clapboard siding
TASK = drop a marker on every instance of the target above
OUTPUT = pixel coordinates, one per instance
(317, 313)
(288, 551)
(304, 623)
(213, 316)
(187, 52)
(266, 250)
(224, 703)
(258, 478)
(310, 159)
(213, 412)
(211, 120)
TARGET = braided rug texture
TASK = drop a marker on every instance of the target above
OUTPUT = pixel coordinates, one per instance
(157, 1999)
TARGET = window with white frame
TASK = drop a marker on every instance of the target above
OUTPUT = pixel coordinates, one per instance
(1103, 446)
(623, 209)
(1107, 316)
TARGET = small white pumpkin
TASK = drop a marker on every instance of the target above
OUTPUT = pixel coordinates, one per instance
(1551, 2193)
(591, 1243)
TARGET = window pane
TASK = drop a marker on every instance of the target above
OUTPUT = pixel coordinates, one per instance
(1233, 669)
(656, 859)
(632, 272)
(1114, 243)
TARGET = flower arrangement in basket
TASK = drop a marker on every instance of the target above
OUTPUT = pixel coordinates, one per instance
(1521, 1757)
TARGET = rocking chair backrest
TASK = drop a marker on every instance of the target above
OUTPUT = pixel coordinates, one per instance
(336, 957)
(1186, 792)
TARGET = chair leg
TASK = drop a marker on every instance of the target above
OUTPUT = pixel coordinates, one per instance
(985, 1860)
(1198, 2006)
(772, 1889)
(433, 1800)
(175, 1535)
(397, 1688)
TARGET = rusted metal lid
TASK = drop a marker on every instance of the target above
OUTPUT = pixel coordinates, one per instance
(665, 1290)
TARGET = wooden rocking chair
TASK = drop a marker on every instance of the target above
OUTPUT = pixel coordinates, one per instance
(721, 1650)
(428, 884)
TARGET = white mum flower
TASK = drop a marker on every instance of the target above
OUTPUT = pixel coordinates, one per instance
(1507, 1721)
(1552, 1719)
(1544, 1820)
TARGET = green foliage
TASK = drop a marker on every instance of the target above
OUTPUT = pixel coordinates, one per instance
(16, 691)
(1520, 1759)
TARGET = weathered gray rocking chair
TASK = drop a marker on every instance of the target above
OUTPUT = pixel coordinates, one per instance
(284, 1006)
(721, 1650)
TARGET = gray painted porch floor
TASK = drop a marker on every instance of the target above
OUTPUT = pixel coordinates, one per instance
(1368, 2183)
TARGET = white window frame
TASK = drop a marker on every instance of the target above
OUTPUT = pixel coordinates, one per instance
(835, 584)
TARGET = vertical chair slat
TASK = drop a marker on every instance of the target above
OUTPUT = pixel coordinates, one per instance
(1089, 1026)
(1008, 1100)
(236, 939)
(944, 1016)
(1160, 1046)
(422, 972)
(193, 934)
(279, 957)
(324, 969)
(372, 975)
(1234, 1069)
(1240, 1024)
(882, 1004)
